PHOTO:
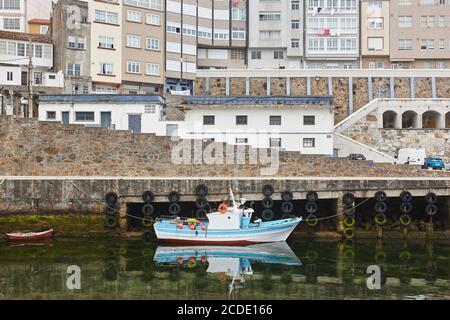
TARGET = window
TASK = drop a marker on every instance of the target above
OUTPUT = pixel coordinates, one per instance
(375, 4)
(269, 34)
(241, 140)
(241, 120)
(149, 4)
(152, 69)
(238, 33)
(309, 142)
(37, 79)
(405, 2)
(375, 23)
(275, 142)
(441, 44)
(133, 41)
(21, 49)
(72, 41)
(295, 24)
(295, 5)
(106, 42)
(256, 55)
(153, 19)
(106, 17)
(74, 69)
(238, 14)
(10, 4)
(278, 55)
(404, 44)
(48, 52)
(295, 43)
(237, 54)
(9, 76)
(85, 89)
(375, 44)
(51, 115)
(376, 65)
(133, 67)
(134, 16)
(106, 68)
(309, 120)
(43, 29)
(84, 116)
(208, 120)
(269, 15)
(275, 120)
(11, 23)
(152, 44)
(405, 21)
(75, 42)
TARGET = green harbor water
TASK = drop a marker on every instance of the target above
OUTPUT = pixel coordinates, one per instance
(134, 269)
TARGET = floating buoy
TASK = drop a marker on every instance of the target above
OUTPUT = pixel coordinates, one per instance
(201, 190)
(405, 219)
(203, 228)
(180, 260)
(192, 227)
(431, 209)
(380, 196)
(197, 222)
(311, 207)
(287, 207)
(406, 207)
(405, 196)
(348, 198)
(287, 195)
(431, 197)
(267, 190)
(380, 219)
(180, 226)
(312, 196)
(267, 202)
(380, 207)
(111, 198)
(173, 196)
(148, 209)
(148, 196)
(311, 220)
(203, 259)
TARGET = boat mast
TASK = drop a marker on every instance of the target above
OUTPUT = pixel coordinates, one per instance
(232, 198)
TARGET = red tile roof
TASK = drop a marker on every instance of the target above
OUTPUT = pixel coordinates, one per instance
(21, 36)
(39, 21)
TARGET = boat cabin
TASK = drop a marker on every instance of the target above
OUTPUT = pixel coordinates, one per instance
(234, 218)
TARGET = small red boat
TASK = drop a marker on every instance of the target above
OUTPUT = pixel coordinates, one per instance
(29, 235)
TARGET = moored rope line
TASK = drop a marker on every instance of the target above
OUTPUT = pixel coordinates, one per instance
(136, 217)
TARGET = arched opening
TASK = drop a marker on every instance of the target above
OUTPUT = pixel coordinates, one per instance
(389, 119)
(409, 120)
(430, 120)
(447, 120)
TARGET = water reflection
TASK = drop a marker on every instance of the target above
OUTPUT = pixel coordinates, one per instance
(114, 269)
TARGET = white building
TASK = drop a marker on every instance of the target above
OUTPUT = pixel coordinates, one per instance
(302, 124)
(275, 34)
(14, 14)
(332, 34)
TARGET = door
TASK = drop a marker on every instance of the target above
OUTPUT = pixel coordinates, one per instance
(24, 78)
(65, 117)
(105, 119)
(134, 122)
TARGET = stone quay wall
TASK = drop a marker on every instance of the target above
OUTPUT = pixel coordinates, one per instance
(33, 148)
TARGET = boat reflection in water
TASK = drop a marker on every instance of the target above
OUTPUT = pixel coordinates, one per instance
(234, 262)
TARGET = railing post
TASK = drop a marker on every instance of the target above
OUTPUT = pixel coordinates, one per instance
(288, 86)
(350, 95)
(227, 86)
(392, 87)
(412, 84)
(308, 86)
(369, 88)
(268, 86)
(247, 86)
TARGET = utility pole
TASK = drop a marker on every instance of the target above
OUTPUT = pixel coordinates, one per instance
(30, 79)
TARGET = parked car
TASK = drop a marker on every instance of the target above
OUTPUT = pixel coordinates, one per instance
(411, 156)
(434, 162)
(356, 156)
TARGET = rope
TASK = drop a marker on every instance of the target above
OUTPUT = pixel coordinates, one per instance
(1, 182)
(101, 203)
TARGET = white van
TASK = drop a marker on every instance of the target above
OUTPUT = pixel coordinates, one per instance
(411, 156)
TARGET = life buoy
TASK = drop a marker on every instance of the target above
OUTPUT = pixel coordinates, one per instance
(380, 207)
(311, 207)
(267, 202)
(201, 203)
(111, 198)
(267, 190)
(349, 221)
(267, 215)
(147, 221)
(223, 208)
(380, 219)
(287, 195)
(348, 198)
(431, 197)
(174, 208)
(148, 196)
(405, 219)
(312, 196)
(173, 196)
(147, 209)
(201, 190)
(380, 196)
(431, 209)
(406, 207)
(349, 233)
(112, 222)
(311, 220)
(287, 207)
(405, 196)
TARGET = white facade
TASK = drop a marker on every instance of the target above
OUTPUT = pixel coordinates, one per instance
(275, 34)
(15, 14)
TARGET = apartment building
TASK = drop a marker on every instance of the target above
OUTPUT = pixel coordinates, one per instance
(419, 36)
(39, 26)
(332, 34)
(143, 46)
(276, 34)
(71, 34)
(15, 14)
(203, 34)
(375, 28)
(105, 17)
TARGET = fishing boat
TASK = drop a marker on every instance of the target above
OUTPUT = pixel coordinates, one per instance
(226, 226)
(22, 236)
